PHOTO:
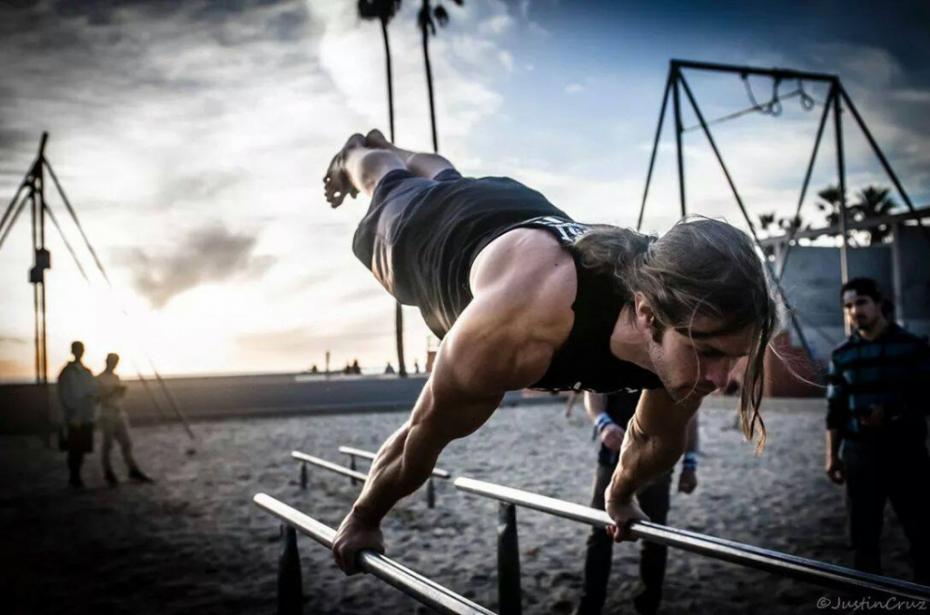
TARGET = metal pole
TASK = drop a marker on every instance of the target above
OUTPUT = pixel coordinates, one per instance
(9, 227)
(430, 493)
(655, 148)
(807, 178)
(508, 561)
(881, 156)
(353, 468)
(42, 257)
(12, 206)
(290, 584)
(35, 310)
(676, 77)
(34, 278)
(303, 475)
(841, 172)
(780, 73)
(752, 229)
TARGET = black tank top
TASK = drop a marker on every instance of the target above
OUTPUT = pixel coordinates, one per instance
(421, 237)
(585, 361)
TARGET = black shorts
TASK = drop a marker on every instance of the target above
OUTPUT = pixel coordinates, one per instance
(420, 236)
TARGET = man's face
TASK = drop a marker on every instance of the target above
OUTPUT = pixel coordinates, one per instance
(861, 311)
(697, 364)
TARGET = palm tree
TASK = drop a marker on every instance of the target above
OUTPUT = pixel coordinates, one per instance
(873, 202)
(766, 221)
(384, 11)
(425, 19)
(830, 202)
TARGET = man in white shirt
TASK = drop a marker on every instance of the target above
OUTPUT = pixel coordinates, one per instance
(114, 424)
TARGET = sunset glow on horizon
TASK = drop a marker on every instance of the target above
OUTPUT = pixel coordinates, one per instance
(192, 138)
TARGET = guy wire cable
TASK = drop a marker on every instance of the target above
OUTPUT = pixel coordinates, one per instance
(171, 399)
(64, 238)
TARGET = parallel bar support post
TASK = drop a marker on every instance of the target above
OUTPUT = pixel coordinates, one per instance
(290, 584)
(676, 96)
(303, 475)
(509, 592)
(352, 467)
(430, 493)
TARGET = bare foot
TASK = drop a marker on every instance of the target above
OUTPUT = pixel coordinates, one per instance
(337, 183)
(376, 139)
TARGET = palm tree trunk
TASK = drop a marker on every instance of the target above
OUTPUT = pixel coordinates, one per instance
(390, 77)
(398, 312)
(429, 79)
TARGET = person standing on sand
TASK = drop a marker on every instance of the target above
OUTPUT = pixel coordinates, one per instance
(610, 415)
(876, 408)
(77, 392)
(524, 296)
(114, 424)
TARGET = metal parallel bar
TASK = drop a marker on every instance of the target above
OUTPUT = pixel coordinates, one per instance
(357, 452)
(332, 467)
(801, 568)
(676, 100)
(752, 229)
(841, 172)
(780, 73)
(804, 186)
(411, 583)
(655, 148)
(881, 156)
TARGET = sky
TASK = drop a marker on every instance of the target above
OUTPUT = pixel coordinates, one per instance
(192, 138)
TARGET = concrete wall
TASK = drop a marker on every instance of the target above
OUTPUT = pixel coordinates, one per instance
(812, 284)
(23, 408)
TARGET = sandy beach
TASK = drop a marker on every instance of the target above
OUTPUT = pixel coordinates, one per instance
(194, 542)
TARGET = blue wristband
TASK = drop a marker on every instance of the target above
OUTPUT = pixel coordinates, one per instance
(603, 420)
(690, 461)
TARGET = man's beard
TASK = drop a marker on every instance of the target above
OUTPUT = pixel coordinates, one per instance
(658, 363)
(865, 326)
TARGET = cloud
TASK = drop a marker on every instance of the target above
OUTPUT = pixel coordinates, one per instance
(496, 24)
(574, 88)
(211, 254)
(13, 339)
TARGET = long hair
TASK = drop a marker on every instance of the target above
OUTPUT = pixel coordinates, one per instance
(700, 267)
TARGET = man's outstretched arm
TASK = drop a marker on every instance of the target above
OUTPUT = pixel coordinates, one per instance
(655, 439)
(482, 357)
